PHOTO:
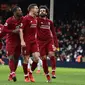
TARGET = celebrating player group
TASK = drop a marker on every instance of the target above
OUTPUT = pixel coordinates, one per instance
(33, 34)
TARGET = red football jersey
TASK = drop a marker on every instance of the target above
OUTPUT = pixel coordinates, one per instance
(46, 30)
(30, 28)
(10, 25)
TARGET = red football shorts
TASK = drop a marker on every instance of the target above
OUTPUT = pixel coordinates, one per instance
(13, 49)
(31, 47)
(45, 47)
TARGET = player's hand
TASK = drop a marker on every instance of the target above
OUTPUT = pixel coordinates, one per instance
(2, 62)
(16, 31)
(58, 49)
(54, 48)
(23, 44)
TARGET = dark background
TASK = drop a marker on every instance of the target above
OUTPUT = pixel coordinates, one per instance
(64, 9)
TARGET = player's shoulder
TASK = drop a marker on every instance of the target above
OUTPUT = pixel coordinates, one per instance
(9, 19)
(50, 21)
(23, 17)
(26, 17)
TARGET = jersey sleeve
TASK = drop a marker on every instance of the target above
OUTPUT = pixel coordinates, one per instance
(6, 27)
(54, 35)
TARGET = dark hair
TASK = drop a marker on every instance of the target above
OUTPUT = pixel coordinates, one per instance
(15, 9)
(31, 6)
(44, 7)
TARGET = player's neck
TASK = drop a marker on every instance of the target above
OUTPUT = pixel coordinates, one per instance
(16, 17)
(31, 14)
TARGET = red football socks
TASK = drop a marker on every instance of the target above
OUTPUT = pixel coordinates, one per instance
(25, 68)
(53, 62)
(12, 65)
(16, 58)
(16, 65)
(45, 66)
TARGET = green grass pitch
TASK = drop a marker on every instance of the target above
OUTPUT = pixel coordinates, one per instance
(65, 76)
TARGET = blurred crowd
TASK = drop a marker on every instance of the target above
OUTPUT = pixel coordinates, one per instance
(71, 37)
(6, 11)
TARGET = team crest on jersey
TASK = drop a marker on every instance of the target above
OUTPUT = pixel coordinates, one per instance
(48, 23)
(41, 22)
(31, 21)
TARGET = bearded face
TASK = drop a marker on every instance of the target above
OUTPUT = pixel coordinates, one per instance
(42, 12)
